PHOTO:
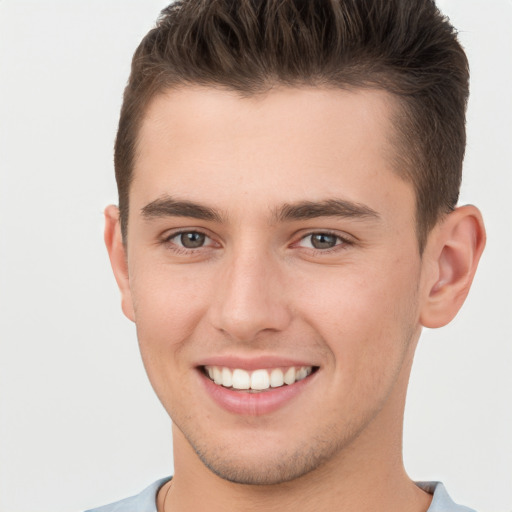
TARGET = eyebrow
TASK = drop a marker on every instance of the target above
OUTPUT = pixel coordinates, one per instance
(170, 207)
(328, 208)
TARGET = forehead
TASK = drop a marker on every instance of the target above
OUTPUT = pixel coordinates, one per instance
(288, 144)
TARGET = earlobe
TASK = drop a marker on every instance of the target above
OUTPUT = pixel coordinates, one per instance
(118, 260)
(454, 251)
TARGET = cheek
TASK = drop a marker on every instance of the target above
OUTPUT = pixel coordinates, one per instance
(165, 295)
(169, 304)
(364, 315)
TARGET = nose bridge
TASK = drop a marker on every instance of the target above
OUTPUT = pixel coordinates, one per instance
(250, 297)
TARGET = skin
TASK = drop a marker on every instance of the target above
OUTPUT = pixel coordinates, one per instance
(258, 287)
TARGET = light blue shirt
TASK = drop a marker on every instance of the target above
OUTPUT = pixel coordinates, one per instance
(146, 500)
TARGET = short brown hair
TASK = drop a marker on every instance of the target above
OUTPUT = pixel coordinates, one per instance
(406, 47)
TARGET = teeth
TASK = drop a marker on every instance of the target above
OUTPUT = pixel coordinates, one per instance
(258, 380)
(241, 379)
(276, 378)
(217, 376)
(301, 374)
(289, 376)
(227, 377)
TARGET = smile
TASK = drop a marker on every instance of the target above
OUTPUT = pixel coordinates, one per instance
(259, 386)
(257, 380)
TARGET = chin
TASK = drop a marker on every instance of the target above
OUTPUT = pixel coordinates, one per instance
(259, 472)
(264, 462)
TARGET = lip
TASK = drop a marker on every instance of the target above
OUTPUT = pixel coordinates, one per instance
(254, 404)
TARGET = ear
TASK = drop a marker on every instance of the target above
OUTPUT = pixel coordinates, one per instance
(453, 250)
(118, 258)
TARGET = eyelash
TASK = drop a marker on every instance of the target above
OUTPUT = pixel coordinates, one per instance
(341, 242)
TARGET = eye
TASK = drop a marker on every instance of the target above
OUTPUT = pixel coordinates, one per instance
(321, 241)
(189, 239)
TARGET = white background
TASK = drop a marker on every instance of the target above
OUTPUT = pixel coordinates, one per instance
(79, 424)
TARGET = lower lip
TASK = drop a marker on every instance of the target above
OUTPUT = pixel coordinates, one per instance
(254, 404)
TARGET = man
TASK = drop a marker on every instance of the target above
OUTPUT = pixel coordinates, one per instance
(288, 174)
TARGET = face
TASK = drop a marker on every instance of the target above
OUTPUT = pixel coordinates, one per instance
(274, 276)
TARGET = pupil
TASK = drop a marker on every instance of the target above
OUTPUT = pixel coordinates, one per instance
(323, 241)
(192, 240)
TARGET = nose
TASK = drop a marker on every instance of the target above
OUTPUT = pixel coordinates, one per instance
(251, 298)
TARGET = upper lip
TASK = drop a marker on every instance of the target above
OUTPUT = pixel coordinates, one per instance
(253, 363)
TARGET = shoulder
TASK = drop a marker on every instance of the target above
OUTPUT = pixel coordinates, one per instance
(441, 501)
(142, 502)
(146, 500)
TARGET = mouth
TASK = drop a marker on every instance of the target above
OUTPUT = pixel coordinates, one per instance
(259, 380)
(261, 385)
